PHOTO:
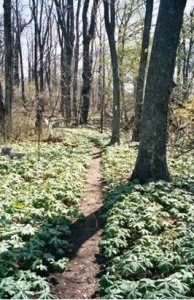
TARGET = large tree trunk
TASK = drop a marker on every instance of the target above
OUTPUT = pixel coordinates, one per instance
(109, 15)
(142, 70)
(8, 65)
(151, 164)
(88, 36)
(76, 62)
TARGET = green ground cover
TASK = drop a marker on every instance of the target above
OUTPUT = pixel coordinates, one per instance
(38, 201)
(148, 243)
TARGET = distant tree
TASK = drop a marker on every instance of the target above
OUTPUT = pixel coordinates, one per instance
(101, 70)
(8, 64)
(2, 112)
(142, 70)
(188, 65)
(41, 12)
(18, 56)
(1, 45)
(88, 36)
(109, 16)
(16, 73)
(49, 59)
(185, 59)
(31, 65)
(151, 164)
(129, 23)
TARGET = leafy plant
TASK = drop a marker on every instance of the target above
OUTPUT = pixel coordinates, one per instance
(39, 201)
(149, 233)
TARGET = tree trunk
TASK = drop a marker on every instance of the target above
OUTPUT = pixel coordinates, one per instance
(103, 88)
(2, 113)
(22, 75)
(41, 30)
(8, 65)
(86, 86)
(16, 75)
(63, 89)
(115, 138)
(76, 62)
(142, 70)
(35, 66)
(65, 14)
(41, 69)
(30, 47)
(109, 15)
(49, 59)
(151, 164)
(88, 36)
(66, 86)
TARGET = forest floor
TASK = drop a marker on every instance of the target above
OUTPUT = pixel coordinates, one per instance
(79, 281)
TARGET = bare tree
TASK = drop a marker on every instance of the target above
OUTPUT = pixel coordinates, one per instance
(50, 57)
(142, 70)
(18, 57)
(8, 65)
(88, 36)
(41, 29)
(129, 26)
(185, 59)
(76, 62)
(109, 16)
(65, 14)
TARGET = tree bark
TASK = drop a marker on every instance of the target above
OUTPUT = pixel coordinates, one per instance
(76, 62)
(103, 88)
(16, 75)
(65, 14)
(109, 16)
(88, 36)
(8, 65)
(2, 113)
(151, 164)
(18, 48)
(142, 70)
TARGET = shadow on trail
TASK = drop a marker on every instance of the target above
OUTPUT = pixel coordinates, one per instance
(83, 230)
(79, 279)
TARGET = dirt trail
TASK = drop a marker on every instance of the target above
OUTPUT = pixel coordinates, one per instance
(79, 280)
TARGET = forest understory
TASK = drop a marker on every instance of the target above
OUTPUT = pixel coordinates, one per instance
(97, 159)
(79, 281)
(74, 226)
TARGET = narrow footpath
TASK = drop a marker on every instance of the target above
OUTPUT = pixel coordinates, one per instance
(79, 280)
